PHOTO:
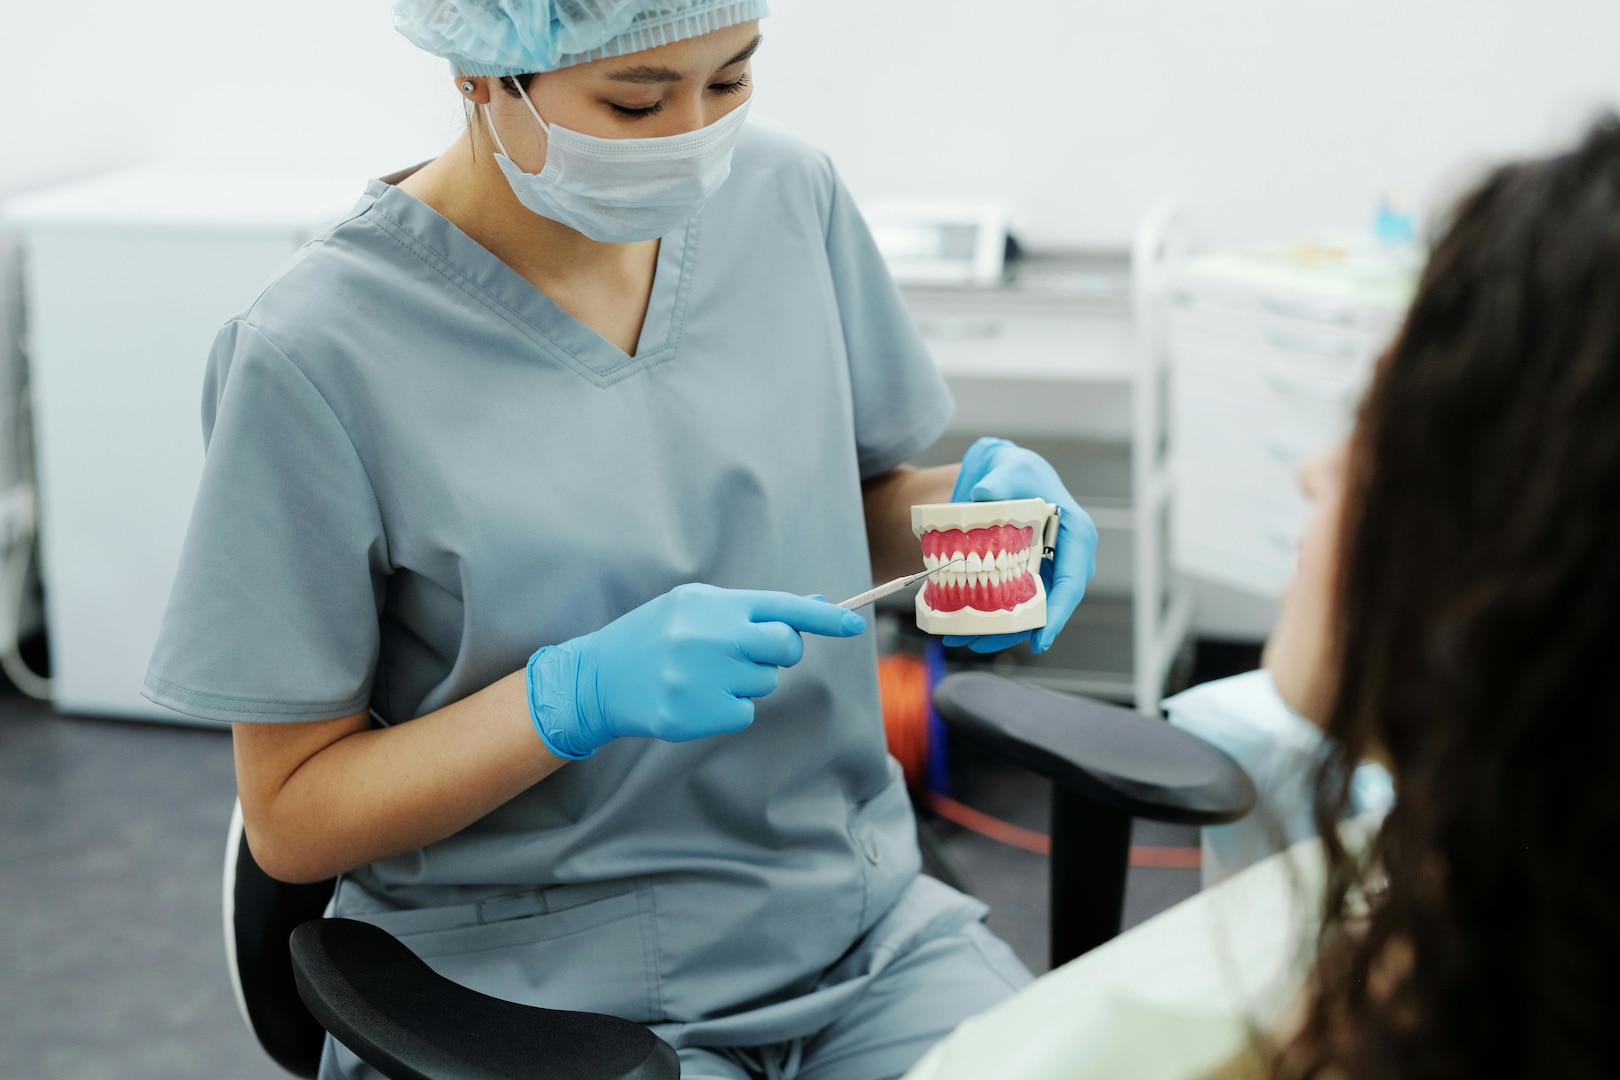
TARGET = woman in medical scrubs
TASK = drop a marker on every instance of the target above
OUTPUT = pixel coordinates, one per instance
(520, 485)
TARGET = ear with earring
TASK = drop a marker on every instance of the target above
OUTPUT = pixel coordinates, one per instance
(468, 86)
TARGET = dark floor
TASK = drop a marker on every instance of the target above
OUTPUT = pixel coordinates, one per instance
(1014, 882)
(111, 841)
(111, 957)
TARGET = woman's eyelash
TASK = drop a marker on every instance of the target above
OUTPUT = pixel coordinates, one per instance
(736, 86)
(636, 114)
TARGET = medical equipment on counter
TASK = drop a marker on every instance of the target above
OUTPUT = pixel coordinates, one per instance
(127, 278)
(1269, 353)
(889, 588)
(941, 244)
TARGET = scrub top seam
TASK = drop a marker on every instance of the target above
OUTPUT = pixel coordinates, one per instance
(635, 365)
(621, 370)
(461, 280)
(365, 470)
(205, 699)
(308, 247)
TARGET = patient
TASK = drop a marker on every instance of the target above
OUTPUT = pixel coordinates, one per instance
(1456, 615)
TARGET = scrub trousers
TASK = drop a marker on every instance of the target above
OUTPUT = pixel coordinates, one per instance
(906, 1008)
(910, 1006)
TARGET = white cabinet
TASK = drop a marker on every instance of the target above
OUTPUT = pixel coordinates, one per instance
(1270, 353)
(1056, 361)
(127, 279)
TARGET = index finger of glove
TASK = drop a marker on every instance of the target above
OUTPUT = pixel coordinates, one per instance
(805, 615)
(771, 643)
(1023, 477)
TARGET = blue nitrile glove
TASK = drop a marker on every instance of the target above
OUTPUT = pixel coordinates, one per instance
(683, 666)
(995, 469)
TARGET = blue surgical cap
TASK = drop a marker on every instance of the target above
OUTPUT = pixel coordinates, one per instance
(515, 37)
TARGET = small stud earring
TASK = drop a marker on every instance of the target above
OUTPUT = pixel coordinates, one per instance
(467, 86)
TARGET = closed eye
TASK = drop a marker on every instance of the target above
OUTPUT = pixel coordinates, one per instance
(637, 114)
(737, 85)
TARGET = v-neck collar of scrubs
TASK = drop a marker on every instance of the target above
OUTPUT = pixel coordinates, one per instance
(471, 267)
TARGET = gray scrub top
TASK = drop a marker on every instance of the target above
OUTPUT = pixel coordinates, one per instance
(420, 469)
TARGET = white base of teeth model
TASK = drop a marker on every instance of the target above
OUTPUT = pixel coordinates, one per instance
(998, 589)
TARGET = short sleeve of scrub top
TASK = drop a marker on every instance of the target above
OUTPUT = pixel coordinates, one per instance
(285, 559)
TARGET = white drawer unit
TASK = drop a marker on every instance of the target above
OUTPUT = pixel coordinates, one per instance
(128, 278)
(1270, 352)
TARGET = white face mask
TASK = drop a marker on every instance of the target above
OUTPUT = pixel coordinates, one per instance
(619, 191)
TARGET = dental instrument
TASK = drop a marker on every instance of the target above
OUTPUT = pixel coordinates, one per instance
(860, 600)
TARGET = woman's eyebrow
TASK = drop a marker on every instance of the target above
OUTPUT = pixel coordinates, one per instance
(748, 50)
(646, 73)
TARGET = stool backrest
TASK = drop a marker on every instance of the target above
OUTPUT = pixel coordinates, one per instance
(260, 915)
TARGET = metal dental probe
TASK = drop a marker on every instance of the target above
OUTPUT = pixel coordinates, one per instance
(878, 593)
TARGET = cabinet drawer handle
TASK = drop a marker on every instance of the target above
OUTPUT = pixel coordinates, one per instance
(1299, 309)
(1332, 391)
(1334, 348)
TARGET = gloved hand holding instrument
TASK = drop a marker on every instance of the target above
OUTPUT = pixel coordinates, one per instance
(683, 666)
(995, 469)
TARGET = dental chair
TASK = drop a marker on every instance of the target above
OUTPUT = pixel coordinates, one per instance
(297, 975)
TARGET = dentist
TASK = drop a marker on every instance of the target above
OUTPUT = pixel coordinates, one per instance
(466, 456)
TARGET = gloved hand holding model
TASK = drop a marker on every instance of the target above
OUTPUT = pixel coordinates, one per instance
(684, 666)
(996, 469)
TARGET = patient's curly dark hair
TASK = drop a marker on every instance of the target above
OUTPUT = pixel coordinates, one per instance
(1478, 645)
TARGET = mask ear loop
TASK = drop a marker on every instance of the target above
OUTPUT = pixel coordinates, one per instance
(490, 120)
(527, 100)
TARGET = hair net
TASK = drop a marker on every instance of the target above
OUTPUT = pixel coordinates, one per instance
(515, 37)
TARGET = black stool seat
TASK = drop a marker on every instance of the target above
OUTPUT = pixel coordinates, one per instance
(1107, 765)
(1106, 754)
(377, 998)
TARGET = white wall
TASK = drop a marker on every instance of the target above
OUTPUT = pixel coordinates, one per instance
(322, 84)
(1270, 117)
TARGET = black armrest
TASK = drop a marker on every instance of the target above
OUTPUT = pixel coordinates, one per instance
(1105, 754)
(377, 998)
(1107, 765)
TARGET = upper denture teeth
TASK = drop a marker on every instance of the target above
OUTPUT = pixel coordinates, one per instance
(1001, 560)
(974, 563)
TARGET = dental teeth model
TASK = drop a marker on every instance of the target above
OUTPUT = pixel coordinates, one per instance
(999, 590)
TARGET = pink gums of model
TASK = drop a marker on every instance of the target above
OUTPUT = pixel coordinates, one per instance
(1003, 579)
